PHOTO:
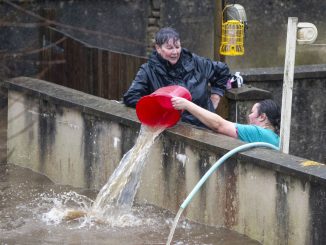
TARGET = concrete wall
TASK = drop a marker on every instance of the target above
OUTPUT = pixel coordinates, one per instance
(265, 38)
(78, 139)
(267, 28)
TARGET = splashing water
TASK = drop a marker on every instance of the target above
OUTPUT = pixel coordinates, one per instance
(78, 206)
(119, 192)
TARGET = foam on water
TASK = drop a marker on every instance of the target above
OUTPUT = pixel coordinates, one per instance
(68, 207)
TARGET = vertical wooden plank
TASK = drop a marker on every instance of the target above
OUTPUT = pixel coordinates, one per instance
(3, 124)
(64, 70)
(45, 55)
(58, 71)
(98, 69)
(113, 75)
(44, 39)
(74, 57)
(50, 38)
(69, 68)
(288, 84)
(122, 75)
(105, 74)
(76, 63)
(88, 72)
(130, 75)
(80, 67)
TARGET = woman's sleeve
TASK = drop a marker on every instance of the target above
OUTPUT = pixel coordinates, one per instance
(218, 77)
(138, 88)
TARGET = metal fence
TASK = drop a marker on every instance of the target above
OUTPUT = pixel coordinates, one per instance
(74, 64)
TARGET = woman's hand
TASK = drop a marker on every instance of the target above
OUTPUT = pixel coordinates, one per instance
(215, 98)
(179, 103)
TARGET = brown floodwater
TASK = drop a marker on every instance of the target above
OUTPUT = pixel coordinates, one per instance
(32, 211)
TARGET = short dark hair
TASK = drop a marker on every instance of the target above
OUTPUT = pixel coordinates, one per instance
(165, 34)
(272, 111)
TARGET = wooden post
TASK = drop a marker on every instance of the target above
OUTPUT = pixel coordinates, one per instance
(288, 84)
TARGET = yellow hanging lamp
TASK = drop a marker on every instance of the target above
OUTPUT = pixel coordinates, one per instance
(233, 30)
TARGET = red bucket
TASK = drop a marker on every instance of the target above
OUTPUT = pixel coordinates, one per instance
(156, 109)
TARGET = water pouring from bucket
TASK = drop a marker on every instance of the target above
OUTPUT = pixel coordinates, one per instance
(156, 113)
(156, 110)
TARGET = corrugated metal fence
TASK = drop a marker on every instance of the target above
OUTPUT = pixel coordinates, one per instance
(74, 64)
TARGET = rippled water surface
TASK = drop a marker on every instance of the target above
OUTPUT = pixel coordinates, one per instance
(32, 211)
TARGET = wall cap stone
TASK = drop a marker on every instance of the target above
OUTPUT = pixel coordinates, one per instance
(248, 92)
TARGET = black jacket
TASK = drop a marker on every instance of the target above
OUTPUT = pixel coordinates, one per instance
(201, 76)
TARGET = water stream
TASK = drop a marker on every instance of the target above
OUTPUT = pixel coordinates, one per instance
(119, 192)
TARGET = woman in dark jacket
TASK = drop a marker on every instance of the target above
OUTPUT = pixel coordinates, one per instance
(170, 64)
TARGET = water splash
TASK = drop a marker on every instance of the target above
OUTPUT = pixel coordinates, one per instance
(65, 206)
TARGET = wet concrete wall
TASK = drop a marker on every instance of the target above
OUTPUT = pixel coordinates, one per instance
(265, 38)
(78, 139)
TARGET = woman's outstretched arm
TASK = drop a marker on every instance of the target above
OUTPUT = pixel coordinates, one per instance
(210, 119)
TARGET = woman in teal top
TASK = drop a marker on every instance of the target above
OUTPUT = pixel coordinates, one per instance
(264, 121)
